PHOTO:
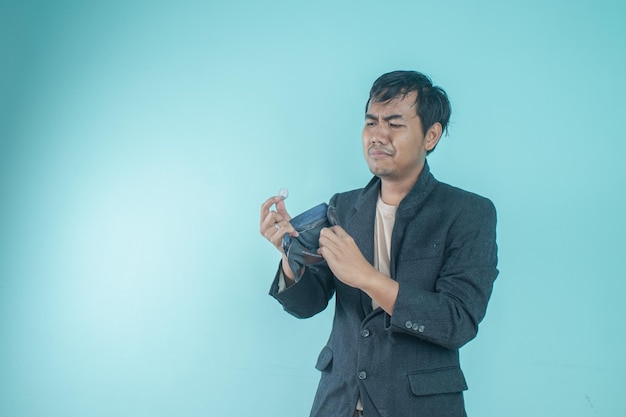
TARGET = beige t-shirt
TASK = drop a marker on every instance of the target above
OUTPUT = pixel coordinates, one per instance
(385, 219)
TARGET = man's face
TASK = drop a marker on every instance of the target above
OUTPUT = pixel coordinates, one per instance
(393, 142)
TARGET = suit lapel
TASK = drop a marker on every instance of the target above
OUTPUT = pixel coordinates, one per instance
(406, 212)
(361, 227)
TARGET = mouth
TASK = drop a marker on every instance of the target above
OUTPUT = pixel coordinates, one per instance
(379, 153)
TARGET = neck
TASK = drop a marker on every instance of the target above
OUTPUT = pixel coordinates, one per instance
(392, 191)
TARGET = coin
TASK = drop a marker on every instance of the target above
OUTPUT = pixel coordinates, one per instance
(283, 193)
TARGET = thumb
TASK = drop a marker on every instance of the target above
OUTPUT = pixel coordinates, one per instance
(282, 210)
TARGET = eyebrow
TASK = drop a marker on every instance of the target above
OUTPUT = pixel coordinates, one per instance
(386, 118)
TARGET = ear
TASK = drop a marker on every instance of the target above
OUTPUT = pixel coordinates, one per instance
(432, 136)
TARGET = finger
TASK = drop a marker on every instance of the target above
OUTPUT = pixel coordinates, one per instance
(330, 234)
(335, 238)
(327, 253)
(339, 231)
(286, 227)
(282, 210)
(268, 222)
(269, 216)
(273, 233)
(277, 232)
(326, 236)
(273, 228)
(340, 235)
(265, 207)
(270, 219)
(328, 240)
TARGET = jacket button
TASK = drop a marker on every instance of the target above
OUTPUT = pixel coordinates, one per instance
(420, 328)
(365, 332)
(362, 375)
(408, 324)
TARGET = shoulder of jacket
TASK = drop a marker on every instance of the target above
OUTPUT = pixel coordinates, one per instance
(461, 196)
(346, 197)
(352, 196)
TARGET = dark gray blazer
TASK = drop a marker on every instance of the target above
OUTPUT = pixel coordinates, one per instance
(444, 256)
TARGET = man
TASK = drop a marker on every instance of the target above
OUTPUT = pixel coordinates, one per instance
(411, 263)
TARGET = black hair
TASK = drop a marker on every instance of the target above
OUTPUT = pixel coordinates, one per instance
(432, 104)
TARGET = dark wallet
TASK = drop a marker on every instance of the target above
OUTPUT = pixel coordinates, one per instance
(302, 250)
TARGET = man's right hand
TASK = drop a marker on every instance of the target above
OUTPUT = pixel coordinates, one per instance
(274, 225)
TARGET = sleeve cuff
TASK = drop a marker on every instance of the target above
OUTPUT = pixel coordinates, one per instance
(282, 286)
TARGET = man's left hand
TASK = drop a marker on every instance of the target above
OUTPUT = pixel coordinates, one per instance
(344, 257)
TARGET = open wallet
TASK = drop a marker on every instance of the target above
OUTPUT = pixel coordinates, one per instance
(302, 250)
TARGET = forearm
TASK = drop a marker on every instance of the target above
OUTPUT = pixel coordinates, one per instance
(382, 289)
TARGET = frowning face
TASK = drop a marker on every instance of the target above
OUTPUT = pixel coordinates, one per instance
(394, 143)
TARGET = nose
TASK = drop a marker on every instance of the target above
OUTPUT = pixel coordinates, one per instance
(378, 134)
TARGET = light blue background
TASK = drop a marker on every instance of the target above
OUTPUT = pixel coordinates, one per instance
(139, 139)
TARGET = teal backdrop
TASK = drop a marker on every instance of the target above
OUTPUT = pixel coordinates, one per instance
(138, 140)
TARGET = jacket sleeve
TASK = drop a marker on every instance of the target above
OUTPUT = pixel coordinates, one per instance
(308, 296)
(449, 315)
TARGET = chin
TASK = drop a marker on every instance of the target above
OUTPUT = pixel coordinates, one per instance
(381, 172)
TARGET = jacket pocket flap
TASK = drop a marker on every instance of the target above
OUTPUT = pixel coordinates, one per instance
(324, 359)
(437, 381)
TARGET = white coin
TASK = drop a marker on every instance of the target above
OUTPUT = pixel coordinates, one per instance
(283, 193)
